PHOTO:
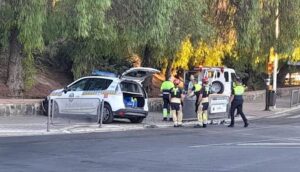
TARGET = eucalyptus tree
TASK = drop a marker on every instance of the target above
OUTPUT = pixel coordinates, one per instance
(143, 26)
(189, 20)
(21, 22)
(254, 22)
(86, 31)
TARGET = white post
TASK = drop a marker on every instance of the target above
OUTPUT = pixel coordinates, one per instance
(276, 51)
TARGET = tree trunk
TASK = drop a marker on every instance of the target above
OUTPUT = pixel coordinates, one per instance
(147, 57)
(290, 78)
(284, 70)
(15, 69)
(169, 69)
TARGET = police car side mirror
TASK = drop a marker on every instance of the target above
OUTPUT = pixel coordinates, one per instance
(66, 89)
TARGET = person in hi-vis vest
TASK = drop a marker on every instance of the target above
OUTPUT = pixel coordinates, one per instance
(165, 88)
(176, 104)
(237, 102)
(204, 103)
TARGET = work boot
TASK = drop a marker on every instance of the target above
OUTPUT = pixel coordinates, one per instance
(165, 119)
(231, 125)
(246, 125)
(197, 126)
(204, 125)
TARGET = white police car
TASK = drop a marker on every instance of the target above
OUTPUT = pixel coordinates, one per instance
(124, 96)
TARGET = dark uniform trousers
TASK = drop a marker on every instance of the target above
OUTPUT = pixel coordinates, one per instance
(237, 104)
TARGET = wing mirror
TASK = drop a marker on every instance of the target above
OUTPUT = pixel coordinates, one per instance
(66, 89)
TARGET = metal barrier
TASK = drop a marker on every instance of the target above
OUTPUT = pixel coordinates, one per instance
(294, 101)
(77, 110)
(219, 106)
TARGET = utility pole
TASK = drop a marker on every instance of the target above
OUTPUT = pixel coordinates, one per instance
(272, 65)
(276, 49)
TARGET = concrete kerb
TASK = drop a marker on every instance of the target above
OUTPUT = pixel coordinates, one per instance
(278, 111)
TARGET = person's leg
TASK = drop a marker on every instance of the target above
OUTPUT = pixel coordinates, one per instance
(200, 117)
(169, 115)
(232, 109)
(240, 111)
(165, 108)
(179, 116)
(197, 105)
(204, 114)
(173, 111)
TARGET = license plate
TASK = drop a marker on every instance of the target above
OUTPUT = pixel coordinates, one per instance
(218, 108)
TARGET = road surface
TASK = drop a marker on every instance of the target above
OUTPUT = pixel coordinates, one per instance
(269, 144)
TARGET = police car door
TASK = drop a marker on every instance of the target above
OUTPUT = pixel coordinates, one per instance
(71, 103)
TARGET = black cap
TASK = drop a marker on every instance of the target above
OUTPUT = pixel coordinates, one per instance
(238, 79)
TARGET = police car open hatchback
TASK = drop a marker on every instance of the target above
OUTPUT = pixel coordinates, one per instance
(124, 96)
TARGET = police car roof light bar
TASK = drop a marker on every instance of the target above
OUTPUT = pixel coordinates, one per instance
(103, 73)
(200, 68)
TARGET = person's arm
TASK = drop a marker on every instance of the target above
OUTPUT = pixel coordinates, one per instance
(200, 95)
(191, 92)
(246, 88)
(170, 94)
(232, 95)
(182, 97)
(161, 87)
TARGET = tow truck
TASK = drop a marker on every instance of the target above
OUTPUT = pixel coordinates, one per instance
(220, 79)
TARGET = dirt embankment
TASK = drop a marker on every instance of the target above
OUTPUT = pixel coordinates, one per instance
(48, 79)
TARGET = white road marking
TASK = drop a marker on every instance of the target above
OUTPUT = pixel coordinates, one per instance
(293, 117)
(247, 142)
(268, 144)
(261, 147)
(279, 115)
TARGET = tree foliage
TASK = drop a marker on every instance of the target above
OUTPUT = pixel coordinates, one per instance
(167, 34)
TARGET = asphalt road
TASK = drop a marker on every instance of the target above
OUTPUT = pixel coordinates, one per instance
(269, 144)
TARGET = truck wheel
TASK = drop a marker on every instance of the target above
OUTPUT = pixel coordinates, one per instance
(217, 87)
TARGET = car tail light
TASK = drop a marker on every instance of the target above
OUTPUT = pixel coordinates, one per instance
(121, 113)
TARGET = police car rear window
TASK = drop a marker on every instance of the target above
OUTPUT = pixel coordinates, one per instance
(99, 84)
(130, 87)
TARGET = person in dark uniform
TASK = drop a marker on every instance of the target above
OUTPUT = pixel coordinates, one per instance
(165, 88)
(196, 89)
(237, 102)
(203, 101)
(176, 100)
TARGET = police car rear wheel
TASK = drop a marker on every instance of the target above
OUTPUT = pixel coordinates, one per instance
(107, 114)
